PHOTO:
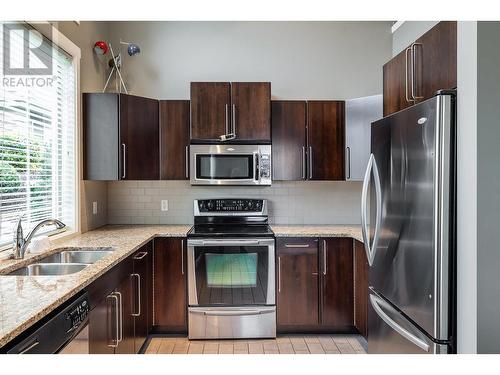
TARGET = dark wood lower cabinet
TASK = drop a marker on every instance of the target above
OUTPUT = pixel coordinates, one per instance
(119, 316)
(337, 281)
(170, 285)
(142, 301)
(297, 283)
(101, 328)
(361, 269)
(316, 285)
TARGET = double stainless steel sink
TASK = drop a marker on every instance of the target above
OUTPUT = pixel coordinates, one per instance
(65, 262)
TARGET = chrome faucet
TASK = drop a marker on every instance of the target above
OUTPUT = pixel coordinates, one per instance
(21, 243)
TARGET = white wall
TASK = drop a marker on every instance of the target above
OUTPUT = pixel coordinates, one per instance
(408, 32)
(488, 187)
(316, 60)
(313, 60)
(92, 73)
(467, 187)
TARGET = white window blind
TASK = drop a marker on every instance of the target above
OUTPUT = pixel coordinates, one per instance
(37, 144)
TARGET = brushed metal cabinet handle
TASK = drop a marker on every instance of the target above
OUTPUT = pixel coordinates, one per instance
(279, 274)
(310, 162)
(115, 340)
(182, 257)
(303, 162)
(121, 316)
(298, 245)
(348, 154)
(124, 162)
(187, 162)
(226, 117)
(324, 258)
(234, 119)
(414, 71)
(141, 255)
(138, 277)
(407, 51)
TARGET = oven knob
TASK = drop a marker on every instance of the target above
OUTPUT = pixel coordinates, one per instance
(210, 205)
(250, 205)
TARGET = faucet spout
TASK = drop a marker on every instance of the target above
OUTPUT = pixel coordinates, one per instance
(21, 243)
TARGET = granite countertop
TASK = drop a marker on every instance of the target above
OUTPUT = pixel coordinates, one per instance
(24, 300)
(341, 230)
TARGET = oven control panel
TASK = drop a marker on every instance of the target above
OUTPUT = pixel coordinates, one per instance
(230, 205)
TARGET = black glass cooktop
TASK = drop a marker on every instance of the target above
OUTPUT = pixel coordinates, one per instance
(232, 230)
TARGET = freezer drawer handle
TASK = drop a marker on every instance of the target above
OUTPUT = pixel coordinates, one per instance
(374, 300)
(371, 249)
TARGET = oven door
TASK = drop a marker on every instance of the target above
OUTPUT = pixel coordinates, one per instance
(231, 272)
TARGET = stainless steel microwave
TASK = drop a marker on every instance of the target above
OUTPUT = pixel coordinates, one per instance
(230, 164)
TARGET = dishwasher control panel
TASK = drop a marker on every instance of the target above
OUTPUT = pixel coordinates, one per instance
(77, 314)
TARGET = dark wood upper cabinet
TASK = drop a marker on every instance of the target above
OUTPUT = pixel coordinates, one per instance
(297, 282)
(361, 268)
(121, 137)
(170, 285)
(139, 135)
(210, 110)
(423, 68)
(326, 140)
(174, 139)
(289, 139)
(251, 110)
(337, 281)
(436, 60)
(240, 111)
(395, 84)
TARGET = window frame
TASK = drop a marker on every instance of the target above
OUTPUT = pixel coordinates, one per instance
(60, 40)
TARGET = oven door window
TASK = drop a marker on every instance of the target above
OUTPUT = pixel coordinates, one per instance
(224, 167)
(231, 275)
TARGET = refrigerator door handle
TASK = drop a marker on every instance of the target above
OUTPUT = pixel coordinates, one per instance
(371, 249)
(376, 302)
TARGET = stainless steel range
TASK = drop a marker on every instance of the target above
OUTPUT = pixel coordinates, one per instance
(231, 270)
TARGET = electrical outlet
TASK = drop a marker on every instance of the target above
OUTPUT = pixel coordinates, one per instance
(164, 205)
(94, 208)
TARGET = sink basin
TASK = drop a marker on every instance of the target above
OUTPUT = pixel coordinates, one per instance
(47, 269)
(76, 256)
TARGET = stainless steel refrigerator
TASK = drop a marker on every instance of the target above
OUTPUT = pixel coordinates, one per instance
(408, 224)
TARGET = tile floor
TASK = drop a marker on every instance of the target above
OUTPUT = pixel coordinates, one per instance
(285, 344)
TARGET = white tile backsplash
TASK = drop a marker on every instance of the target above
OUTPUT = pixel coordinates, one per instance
(304, 202)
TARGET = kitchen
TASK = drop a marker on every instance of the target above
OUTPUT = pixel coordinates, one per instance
(236, 207)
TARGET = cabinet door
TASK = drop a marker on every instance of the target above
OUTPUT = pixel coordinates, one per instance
(435, 56)
(289, 140)
(326, 140)
(126, 301)
(251, 110)
(210, 110)
(139, 138)
(170, 285)
(174, 139)
(141, 303)
(297, 282)
(103, 326)
(361, 268)
(336, 261)
(396, 83)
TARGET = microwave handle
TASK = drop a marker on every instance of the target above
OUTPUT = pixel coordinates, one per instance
(257, 167)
